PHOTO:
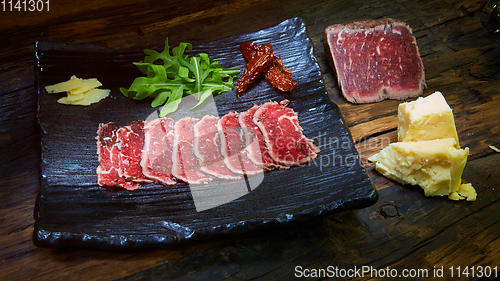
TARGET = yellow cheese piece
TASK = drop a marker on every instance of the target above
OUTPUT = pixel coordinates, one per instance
(428, 153)
(435, 165)
(466, 191)
(79, 91)
(72, 83)
(89, 97)
(86, 85)
(73, 98)
(426, 118)
(494, 148)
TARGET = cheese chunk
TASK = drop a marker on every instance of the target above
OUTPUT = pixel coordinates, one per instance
(466, 191)
(426, 118)
(435, 165)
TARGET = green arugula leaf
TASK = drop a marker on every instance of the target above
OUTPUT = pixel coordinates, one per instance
(204, 95)
(168, 77)
(172, 103)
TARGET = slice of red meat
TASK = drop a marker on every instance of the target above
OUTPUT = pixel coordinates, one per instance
(233, 146)
(109, 157)
(375, 60)
(254, 141)
(283, 135)
(207, 148)
(156, 159)
(184, 162)
(131, 142)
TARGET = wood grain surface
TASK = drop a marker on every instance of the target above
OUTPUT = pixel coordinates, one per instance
(404, 230)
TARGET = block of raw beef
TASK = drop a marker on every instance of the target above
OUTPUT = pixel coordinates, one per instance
(375, 60)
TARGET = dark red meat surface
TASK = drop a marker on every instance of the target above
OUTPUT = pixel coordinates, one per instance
(207, 148)
(284, 136)
(197, 151)
(131, 142)
(184, 162)
(255, 143)
(156, 160)
(233, 146)
(109, 155)
(375, 60)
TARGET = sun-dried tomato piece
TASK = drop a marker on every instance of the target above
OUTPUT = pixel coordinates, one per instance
(280, 77)
(256, 67)
(249, 50)
(277, 74)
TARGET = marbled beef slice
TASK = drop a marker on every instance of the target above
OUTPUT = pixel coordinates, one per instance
(283, 134)
(233, 146)
(255, 144)
(184, 162)
(131, 143)
(156, 161)
(207, 148)
(109, 156)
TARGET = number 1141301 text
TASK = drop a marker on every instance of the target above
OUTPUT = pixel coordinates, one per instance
(25, 5)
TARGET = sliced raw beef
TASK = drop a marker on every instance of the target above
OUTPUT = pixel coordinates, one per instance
(196, 151)
(375, 60)
(184, 162)
(131, 143)
(284, 136)
(233, 146)
(255, 143)
(156, 160)
(207, 148)
(108, 151)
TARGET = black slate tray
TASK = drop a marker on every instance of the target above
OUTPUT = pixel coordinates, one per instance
(72, 210)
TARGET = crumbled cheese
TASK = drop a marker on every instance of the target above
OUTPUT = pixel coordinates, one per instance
(465, 191)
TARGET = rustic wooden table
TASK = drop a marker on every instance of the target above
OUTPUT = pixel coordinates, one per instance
(403, 231)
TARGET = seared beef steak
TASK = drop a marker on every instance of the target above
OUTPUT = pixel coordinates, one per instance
(375, 60)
